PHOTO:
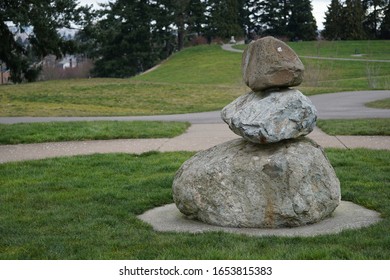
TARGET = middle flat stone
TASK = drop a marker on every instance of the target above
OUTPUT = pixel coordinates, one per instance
(269, 117)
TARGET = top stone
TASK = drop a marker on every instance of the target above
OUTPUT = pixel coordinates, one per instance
(270, 63)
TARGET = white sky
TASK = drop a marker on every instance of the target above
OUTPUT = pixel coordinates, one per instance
(319, 8)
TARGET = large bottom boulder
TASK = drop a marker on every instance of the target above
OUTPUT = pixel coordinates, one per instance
(241, 184)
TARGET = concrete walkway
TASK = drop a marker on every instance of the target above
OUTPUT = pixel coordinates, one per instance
(198, 137)
(340, 105)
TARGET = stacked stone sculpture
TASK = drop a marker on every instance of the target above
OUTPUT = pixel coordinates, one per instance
(274, 176)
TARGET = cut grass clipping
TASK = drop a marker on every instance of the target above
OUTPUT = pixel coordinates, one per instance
(355, 127)
(85, 207)
(94, 130)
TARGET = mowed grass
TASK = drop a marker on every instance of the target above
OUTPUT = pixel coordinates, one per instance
(324, 76)
(197, 79)
(85, 207)
(97, 130)
(380, 104)
(356, 127)
(111, 97)
(205, 64)
(365, 49)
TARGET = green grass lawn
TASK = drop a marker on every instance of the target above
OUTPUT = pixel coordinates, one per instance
(355, 127)
(98, 130)
(337, 76)
(198, 65)
(197, 79)
(380, 104)
(111, 97)
(366, 49)
(85, 207)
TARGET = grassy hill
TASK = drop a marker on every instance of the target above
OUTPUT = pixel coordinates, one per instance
(198, 65)
(197, 79)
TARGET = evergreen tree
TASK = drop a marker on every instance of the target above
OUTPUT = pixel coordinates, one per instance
(254, 12)
(285, 11)
(224, 18)
(286, 18)
(385, 25)
(247, 16)
(353, 15)
(301, 23)
(130, 38)
(161, 28)
(180, 14)
(373, 10)
(274, 17)
(333, 21)
(44, 17)
(196, 16)
(188, 16)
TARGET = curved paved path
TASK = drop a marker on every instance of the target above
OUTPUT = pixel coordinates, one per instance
(206, 131)
(342, 105)
(350, 105)
(198, 137)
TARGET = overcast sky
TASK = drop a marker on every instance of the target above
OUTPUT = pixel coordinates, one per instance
(319, 8)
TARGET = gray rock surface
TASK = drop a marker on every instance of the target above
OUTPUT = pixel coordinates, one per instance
(269, 63)
(262, 117)
(241, 184)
